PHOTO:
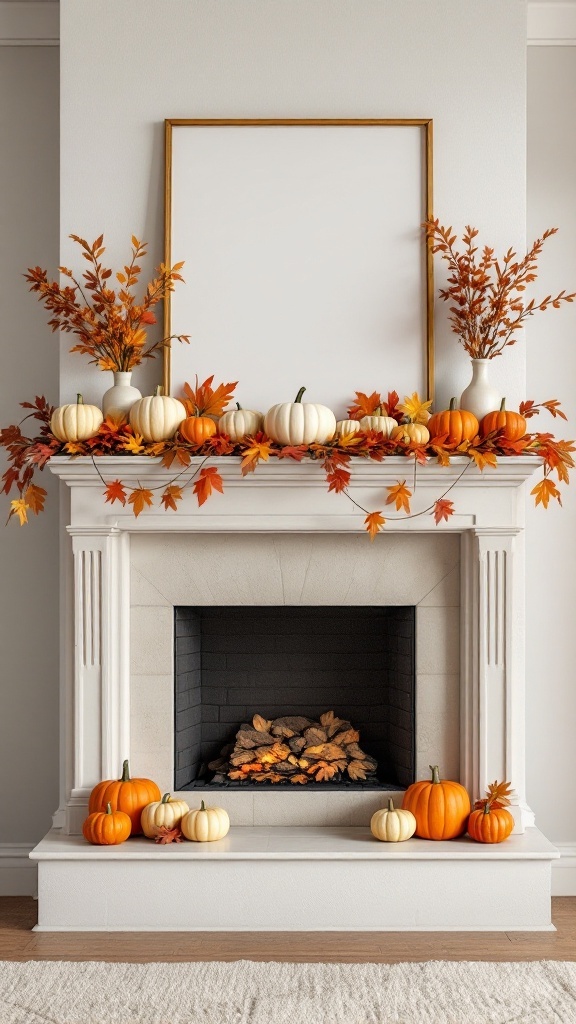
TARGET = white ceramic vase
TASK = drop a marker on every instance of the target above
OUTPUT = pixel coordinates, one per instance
(480, 397)
(119, 399)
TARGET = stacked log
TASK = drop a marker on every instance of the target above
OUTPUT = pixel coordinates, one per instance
(296, 750)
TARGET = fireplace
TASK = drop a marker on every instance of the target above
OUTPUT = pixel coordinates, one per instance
(278, 545)
(235, 662)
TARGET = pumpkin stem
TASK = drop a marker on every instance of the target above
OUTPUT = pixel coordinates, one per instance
(238, 406)
(503, 405)
(108, 808)
(299, 395)
(435, 773)
(487, 807)
(390, 804)
(125, 772)
(202, 807)
(377, 411)
(157, 390)
(166, 798)
(79, 399)
(452, 404)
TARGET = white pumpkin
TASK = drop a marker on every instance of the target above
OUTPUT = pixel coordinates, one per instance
(76, 422)
(383, 424)
(157, 417)
(300, 423)
(344, 427)
(393, 825)
(166, 813)
(206, 824)
(239, 422)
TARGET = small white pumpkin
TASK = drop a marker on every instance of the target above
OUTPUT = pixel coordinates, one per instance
(300, 423)
(239, 422)
(383, 424)
(157, 417)
(393, 825)
(205, 824)
(76, 422)
(344, 427)
(166, 813)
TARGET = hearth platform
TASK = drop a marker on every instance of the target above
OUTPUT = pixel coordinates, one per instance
(295, 879)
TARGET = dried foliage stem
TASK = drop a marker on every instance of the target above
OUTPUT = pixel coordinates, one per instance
(487, 294)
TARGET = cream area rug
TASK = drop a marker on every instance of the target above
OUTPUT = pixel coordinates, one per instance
(246, 992)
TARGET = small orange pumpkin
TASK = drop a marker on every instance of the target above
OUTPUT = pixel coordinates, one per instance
(459, 424)
(441, 808)
(197, 429)
(490, 824)
(511, 424)
(125, 794)
(107, 828)
(411, 433)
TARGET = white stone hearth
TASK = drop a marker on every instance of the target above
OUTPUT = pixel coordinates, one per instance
(278, 537)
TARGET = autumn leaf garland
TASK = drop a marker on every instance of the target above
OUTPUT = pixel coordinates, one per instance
(26, 454)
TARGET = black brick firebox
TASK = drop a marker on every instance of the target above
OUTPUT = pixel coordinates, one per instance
(234, 662)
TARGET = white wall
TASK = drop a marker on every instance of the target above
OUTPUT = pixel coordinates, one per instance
(29, 555)
(551, 373)
(125, 67)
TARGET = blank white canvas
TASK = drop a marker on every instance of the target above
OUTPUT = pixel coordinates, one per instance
(304, 260)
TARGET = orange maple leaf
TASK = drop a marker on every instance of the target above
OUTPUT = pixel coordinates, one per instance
(181, 455)
(34, 497)
(482, 459)
(258, 450)
(171, 495)
(203, 400)
(140, 498)
(443, 509)
(400, 495)
(374, 522)
(544, 490)
(115, 491)
(365, 405)
(209, 480)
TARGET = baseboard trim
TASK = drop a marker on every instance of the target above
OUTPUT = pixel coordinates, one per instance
(18, 874)
(564, 870)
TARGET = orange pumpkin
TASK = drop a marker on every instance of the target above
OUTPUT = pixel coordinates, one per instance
(459, 424)
(107, 828)
(511, 424)
(441, 808)
(490, 824)
(197, 429)
(125, 794)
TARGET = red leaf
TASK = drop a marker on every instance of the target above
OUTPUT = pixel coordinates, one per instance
(365, 405)
(208, 481)
(115, 492)
(296, 452)
(443, 509)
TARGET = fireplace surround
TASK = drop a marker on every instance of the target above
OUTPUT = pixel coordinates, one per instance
(302, 548)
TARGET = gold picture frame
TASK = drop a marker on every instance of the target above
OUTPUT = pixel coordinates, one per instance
(426, 126)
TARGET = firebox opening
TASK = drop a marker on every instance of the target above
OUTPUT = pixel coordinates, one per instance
(235, 662)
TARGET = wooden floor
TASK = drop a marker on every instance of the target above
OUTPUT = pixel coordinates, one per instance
(18, 942)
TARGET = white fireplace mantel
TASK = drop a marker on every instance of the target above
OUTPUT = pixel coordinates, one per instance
(281, 497)
(290, 501)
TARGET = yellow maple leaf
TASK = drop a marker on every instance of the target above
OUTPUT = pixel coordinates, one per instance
(399, 495)
(74, 448)
(134, 444)
(415, 409)
(19, 508)
(251, 456)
